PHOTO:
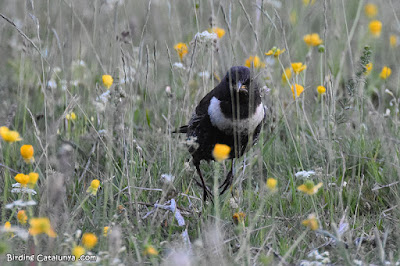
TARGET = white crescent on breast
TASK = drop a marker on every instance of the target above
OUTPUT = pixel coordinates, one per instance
(228, 125)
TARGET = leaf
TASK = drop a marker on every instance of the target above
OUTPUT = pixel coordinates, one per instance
(136, 116)
(148, 118)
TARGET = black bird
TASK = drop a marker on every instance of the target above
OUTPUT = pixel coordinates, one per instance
(232, 114)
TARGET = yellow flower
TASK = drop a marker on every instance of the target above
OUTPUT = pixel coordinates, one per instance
(22, 179)
(238, 217)
(299, 90)
(41, 226)
(182, 49)
(71, 116)
(375, 28)
(150, 251)
(309, 188)
(78, 251)
(33, 178)
(254, 61)
(275, 51)
(271, 183)
(298, 67)
(286, 75)
(312, 39)
(27, 153)
(307, 2)
(107, 80)
(105, 230)
(221, 152)
(311, 222)
(321, 89)
(94, 186)
(9, 135)
(7, 226)
(219, 31)
(21, 216)
(393, 40)
(368, 68)
(89, 240)
(370, 10)
(385, 73)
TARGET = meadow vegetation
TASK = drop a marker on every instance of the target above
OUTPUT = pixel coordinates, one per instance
(91, 92)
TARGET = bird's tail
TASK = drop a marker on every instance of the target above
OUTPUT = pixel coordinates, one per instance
(182, 129)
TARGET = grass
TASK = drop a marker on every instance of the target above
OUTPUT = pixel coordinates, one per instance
(54, 54)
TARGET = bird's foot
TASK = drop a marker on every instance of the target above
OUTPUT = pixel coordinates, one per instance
(227, 182)
(206, 192)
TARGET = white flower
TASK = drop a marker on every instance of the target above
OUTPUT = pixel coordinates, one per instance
(167, 178)
(304, 174)
(78, 233)
(56, 69)
(206, 36)
(52, 84)
(326, 261)
(270, 60)
(21, 203)
(17, 189)
(104, 97)
(22, 233)
(233, 204)
(317, 258)
(77, 63)
(358, 262)
(204, 74)
(101, 101)
(276, 4)
(63, 83)
(178, 66)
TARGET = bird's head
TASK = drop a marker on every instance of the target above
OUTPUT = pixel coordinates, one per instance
(239, 79)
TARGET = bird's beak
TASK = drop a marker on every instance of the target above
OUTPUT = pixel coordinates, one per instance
(241, 87)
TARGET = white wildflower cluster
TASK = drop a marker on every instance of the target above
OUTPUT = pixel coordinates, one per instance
(270, 61)
(204, 74)
(304, 174)
(101, 101)
(316, 259)
(63, 84)
(167, 178)
(206, 36)
(394, 103)
(275, 3)
(233, 204)
(18, 231)
(178, 65)
(18, 189)
(20, 203)
(52, 83)
(109, 5)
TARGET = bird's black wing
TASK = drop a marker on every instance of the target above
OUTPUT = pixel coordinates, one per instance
(200, 113)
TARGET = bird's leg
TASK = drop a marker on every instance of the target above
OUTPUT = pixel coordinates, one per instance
(228, 180)
(206, 190)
